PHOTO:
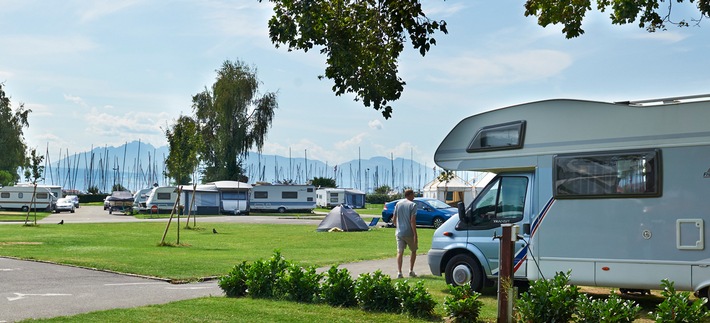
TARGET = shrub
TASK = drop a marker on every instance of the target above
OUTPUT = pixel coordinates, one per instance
(416, 301)
(302, 285)
(677, 307)
(549, 300)
(265, 278)
(463, 305)
(338, 288)
(612, 309)
(234, 284)
(375, 292)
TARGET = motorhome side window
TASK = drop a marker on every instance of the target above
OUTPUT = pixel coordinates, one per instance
(261, 195)
(498, 137)
(289, 195)
(163, 196)
(42, 196)
(608, 175)
(503, 201)
(5, 195)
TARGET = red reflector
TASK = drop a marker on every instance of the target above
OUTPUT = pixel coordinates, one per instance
(605, 268)
(449, 234)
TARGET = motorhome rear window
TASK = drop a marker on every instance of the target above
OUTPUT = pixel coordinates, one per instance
(502, 136)
(289, 195)
(261, 195)
(608, 175)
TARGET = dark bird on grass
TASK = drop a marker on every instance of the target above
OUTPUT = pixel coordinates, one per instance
(61, 222)
(214, 231)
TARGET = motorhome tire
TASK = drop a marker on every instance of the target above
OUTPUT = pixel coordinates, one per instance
(282, 210)
(25, 208)
(437, 222)
(462, 269)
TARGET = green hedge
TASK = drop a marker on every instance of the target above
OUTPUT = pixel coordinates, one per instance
(89, 198)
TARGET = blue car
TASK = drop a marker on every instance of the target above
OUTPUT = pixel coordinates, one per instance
(429, 211)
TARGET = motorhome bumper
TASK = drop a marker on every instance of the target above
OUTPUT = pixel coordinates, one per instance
(434, 257)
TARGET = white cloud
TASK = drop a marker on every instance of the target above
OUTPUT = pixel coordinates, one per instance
(525, 66)
(375, 124)
(117, 129)
(38, 110)
(97, 9)
(665, 36)
(25, 45)
(350, 143)
(76, 100)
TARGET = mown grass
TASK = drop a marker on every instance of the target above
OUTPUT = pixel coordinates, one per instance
(133, 247)
(11, 216)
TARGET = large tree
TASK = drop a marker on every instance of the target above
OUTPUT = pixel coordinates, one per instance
(362, 40)
(12, 141)
(233, 117)
(184, 141)
(649, 13)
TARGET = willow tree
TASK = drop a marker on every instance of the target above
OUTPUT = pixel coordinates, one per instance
(12, 140)
(233, 118)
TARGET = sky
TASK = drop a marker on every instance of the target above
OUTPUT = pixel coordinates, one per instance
(102, 73)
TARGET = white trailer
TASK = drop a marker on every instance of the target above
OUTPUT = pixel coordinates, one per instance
(20, 198)
(616, 193)
(55, 189)
(332, 197)
(161, 199)
(283, 198)
(221, 197)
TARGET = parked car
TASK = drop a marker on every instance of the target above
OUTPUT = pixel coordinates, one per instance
(107, 204)
(429, 211)
(74, 199)
(64, 204)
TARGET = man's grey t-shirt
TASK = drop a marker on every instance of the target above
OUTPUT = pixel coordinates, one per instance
(404, 210)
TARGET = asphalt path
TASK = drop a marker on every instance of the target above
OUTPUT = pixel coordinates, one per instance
(30, 289)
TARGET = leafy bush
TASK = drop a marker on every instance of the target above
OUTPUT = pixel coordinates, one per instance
(234, 284)
(612, 309)
(549, 300)
(302, 285)
(677, 307)
(338, 289)
(463, 305)
(416, 301)
(265, 278)
(375, 292)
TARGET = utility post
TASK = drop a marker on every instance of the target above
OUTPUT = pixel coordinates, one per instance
(505, 272)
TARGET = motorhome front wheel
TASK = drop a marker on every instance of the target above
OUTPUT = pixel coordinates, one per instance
(462, 269)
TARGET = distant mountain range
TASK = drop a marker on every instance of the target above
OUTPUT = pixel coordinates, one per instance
(137, 165)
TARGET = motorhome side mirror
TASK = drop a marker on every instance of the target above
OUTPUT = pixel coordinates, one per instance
(462, 210)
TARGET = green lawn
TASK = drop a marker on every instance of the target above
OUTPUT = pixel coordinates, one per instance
(133, 247)
(10, 216)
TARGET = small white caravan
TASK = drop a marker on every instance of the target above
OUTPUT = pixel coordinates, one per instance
(163, 198)
(332, 197)
(283, 198)
(616, 193)
(20, 198)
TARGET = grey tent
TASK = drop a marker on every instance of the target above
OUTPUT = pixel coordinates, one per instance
(344, 218)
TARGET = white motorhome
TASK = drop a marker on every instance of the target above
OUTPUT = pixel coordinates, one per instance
(616, 193)
(161, 199)
(332, 197)
(20, 198)
(139, 200)
(283, 198)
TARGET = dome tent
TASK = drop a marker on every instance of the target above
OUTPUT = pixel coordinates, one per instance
(344, 218)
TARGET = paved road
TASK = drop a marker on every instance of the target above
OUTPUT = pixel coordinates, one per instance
(39, 290)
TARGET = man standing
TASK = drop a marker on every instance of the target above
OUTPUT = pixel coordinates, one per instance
(405, 222)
